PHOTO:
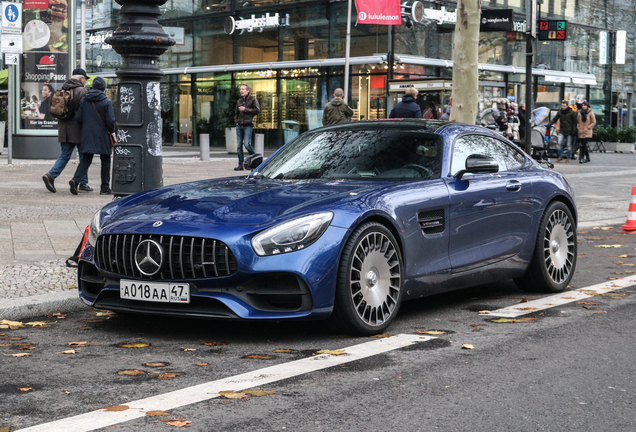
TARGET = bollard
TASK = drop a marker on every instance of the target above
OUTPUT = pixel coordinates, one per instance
(259, 143)
(204, 143)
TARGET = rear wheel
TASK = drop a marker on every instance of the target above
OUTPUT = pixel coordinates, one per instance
(554, 258)
(369, 285)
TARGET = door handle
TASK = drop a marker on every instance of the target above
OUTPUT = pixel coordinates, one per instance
(513, 185)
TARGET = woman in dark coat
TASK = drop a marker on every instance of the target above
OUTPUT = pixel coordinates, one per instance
(95, 131)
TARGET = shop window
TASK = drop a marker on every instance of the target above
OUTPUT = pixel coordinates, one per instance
(212, 46)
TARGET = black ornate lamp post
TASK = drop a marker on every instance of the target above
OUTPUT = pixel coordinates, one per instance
(140, 40)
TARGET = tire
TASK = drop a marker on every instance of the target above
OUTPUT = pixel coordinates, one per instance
(555, 252)
(369, 283)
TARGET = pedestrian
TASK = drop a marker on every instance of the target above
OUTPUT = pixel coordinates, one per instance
(69, 134)
(522, 121)
(336, 111)
(585, 122)
(97, 117)
(247, 108)
(447, 111)
(567, 131)
(408, 108)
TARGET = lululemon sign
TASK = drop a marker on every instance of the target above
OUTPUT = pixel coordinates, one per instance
(385, 12)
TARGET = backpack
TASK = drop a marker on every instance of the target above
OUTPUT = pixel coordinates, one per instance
(252, 161)
(62, 104)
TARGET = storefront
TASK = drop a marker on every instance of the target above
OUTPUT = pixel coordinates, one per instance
(292, 54)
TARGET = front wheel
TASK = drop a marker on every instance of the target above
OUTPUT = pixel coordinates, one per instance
(554, 257)
(369, 284)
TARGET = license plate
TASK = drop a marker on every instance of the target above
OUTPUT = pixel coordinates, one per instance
(154, 291)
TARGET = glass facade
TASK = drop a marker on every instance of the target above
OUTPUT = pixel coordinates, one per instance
(257, 33)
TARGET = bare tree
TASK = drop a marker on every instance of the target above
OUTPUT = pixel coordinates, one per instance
(465, 52)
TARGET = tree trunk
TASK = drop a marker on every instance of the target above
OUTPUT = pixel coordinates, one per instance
(465, 52)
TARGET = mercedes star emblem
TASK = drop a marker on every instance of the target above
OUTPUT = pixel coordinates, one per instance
(149, 257)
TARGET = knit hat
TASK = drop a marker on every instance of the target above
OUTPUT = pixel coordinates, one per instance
(99, 83)
(585, 103)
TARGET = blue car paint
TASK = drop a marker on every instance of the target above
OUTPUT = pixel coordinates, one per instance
(233, 210)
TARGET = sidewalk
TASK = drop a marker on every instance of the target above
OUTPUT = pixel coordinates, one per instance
(39, 229)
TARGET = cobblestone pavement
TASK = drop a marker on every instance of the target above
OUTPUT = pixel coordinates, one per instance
(39, 229)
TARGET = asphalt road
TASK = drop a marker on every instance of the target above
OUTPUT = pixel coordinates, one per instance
(569, 369)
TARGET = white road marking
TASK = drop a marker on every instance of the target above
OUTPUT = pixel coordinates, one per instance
(210, 390)
(563, 298)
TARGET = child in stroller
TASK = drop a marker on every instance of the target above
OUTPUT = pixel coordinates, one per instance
(541, 138)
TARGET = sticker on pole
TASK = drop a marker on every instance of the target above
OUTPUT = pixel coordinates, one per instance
(11, 18)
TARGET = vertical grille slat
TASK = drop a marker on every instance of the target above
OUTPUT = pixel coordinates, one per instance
(187, 257)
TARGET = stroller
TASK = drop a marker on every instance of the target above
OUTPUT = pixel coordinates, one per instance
(541, 137)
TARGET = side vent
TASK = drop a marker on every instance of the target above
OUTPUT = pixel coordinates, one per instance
(432, 222)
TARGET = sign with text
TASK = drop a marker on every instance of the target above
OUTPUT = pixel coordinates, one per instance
(496, 20)
(11, 18)
(621, 42)
(383, 12)
(553, 30)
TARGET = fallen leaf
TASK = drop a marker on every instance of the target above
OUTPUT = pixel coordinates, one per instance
(608, 246)
(468, 346)
(116, 408)
(5, 344)
(514, 320)
(12, 325)
(70, 287)
(282, 351)
(631, 265)
(477, 325)
(105, 314)
(202, 364)
(382, 336)
(156, 364)
(431, 332)
(169, 375)
(189, 349)
(484, 312)
(607, 228)
(523, 300)
(131, 372)
(180, 423)
(599, 312)
(56, 315)
(569, 298)
(17, 355)
(230, 394)
(25, 346)
(39, 324)
(527, 308)
(258, 357)
(259, 393)
(156, 413)
(332, 352)
(12, 338)
(67, 352)
(78, 344)
(25, 389)
(87, 328)
(215, 343)
(134, 345)
(587, 307)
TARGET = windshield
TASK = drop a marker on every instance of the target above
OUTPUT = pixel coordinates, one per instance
(388, 154)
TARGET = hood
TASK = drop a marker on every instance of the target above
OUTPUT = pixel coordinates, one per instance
(71, 84)
(337, 101)
(233, 201)
(94, 95)
(408, 98)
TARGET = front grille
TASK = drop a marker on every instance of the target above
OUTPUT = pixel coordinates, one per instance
(184, 257)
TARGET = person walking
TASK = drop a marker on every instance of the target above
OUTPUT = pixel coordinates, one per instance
(97, 117)
(522, 121)
(407, 108)
(585, 123)
(567, 130)
(69, 134)
(247, 108)
(336, 111)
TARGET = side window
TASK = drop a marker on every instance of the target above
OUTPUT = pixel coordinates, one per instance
(506, 156)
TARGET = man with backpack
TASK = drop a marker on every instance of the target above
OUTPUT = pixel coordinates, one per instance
(64, 104)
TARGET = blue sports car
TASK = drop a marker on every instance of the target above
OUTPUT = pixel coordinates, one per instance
(343, 223)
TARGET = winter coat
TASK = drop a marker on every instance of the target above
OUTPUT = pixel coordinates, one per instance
(568, 121)
(94, 134)
(68, 130)
(586, 127)
(252, 108)
(336, 112)
(408, 108)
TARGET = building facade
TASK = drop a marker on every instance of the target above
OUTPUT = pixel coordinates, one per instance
(292, 54)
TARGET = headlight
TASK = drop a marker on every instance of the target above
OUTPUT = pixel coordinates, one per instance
(95, 229)
(292, 235)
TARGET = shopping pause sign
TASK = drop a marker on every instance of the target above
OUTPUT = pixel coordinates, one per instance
(553, 30)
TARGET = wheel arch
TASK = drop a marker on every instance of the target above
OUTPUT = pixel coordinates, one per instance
(569, 204)
(386, 222)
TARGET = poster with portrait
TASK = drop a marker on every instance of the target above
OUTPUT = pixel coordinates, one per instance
(44, 65)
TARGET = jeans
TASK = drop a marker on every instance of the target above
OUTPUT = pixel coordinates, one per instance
(243, 138)
(62, 161)
(569, 139)
(85, 163)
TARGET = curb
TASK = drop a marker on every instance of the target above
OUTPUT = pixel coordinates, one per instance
(26, 307)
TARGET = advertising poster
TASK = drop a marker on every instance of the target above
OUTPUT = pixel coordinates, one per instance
(45, 61)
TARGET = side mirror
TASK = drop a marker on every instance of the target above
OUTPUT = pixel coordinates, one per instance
(479, 164)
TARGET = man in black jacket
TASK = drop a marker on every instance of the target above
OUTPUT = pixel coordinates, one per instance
(247, 108)
(567, 130)
(408, 108)
(69, 134)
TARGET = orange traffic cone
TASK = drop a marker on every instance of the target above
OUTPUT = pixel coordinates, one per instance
(630, 225)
